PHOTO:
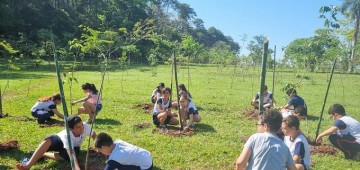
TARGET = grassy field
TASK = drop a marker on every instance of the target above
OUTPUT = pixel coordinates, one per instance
(218, 138)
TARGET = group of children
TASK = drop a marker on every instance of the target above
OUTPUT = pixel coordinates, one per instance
(163, 115)
(269, 149)
(122, 155)
(45, 107)
(263, 150)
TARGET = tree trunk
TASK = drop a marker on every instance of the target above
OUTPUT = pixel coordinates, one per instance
(352, 54)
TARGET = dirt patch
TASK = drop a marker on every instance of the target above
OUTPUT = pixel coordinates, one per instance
(143, 125)
(52, 124)
(3, 115)
(322, 149)
(174, 132)
(145, 106)
(251, 114)
(13, 144)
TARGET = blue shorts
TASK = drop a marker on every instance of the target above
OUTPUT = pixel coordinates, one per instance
(157, 122)
(42, 115)
(111, 164)
(58, 146)
(98, 108)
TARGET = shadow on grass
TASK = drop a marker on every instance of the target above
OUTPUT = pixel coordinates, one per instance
(204, 128)
(15, 154)
(107, 121)
(156, 168)
(6, 167)
(312, 117)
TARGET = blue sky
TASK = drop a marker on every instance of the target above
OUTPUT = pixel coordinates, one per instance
(281, 20)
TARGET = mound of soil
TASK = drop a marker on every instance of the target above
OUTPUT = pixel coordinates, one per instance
(13, 144)
(145, 106)
(3, 115)
(143, 125)
(174, 132)
(323, 150)
(251, 113)
(52, 124)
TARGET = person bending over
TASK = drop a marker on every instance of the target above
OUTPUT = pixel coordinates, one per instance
(45, 108)
(123, 155)
(345, 132)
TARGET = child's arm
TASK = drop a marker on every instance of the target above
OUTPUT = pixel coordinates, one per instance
(57, 113)
(93, 135)
(191, 119)
(81, 100)
(76, 163)
(244, 157)
(326, 133)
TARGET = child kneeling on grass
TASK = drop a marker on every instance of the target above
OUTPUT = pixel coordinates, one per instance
(45, 107)
(123, 155)
(59, 143)
(162, 114)
(188, 111)
(296, 142)
(345, 132)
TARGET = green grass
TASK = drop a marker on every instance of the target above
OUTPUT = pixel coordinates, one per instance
(216, 144)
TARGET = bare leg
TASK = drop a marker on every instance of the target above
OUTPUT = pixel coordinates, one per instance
(299, 166)
(162, 117)
(39, 152)
(55, 156)
(197, 118)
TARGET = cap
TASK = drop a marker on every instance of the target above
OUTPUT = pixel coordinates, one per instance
(73, 120)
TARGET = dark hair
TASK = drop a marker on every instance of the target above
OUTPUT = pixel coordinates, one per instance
(89, 86)
(166, 89)
(73, 120)
(265, 87)
(291, 91)
(272, 118)
(301, 109)
(337, 108)
(161, 84)
(103, 139)
(183, 88)
(55, 96)
(292, 121)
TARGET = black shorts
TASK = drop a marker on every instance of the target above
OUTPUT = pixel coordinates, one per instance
(157, 122)
(58, 146)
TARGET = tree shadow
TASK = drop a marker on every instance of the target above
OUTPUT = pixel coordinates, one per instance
(204, 128)
(107, 121)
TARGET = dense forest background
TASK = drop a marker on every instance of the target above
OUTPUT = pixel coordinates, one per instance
(149, 31)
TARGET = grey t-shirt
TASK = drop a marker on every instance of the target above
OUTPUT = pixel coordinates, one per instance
(268, 152)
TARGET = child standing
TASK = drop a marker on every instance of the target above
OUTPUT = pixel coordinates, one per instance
(188, 111)
(345, 132)
(123, 155)
(91, 103)
(162, 110)
(296, 142)
(45, 107)
(59, 143)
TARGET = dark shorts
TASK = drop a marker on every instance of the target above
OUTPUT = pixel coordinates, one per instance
(157, 122)
(42, 115)
(193, 113)
(98, 108)
(111, 165)
(58, 146)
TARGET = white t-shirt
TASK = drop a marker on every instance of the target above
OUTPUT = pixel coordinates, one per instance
(75, 141)
(128, 154)
(299, 147)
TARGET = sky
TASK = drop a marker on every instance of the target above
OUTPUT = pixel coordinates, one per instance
(282, 21)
